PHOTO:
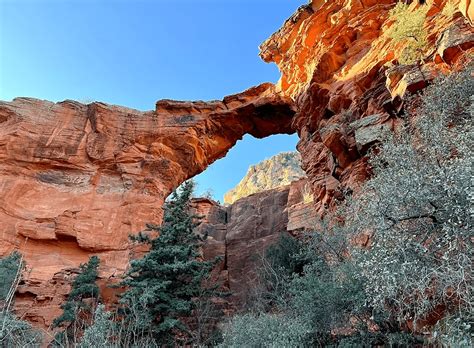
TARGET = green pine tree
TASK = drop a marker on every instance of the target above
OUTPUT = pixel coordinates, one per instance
(76, 311)
(162, 285)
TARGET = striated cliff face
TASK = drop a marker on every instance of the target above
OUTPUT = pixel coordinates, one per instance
(341, 68)
(76, 179)
(279, 170)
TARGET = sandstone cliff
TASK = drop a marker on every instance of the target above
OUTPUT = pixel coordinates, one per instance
(76, 179)
(341, 68)
(277, 171)
(241, 232)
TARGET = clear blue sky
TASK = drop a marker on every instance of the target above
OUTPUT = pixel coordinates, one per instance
(135, 52)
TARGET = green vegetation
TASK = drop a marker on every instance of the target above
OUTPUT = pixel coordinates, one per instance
(77, 310)
(10, 268)
(14, 332)
(164, 282)
(408, 29)
(420, 258)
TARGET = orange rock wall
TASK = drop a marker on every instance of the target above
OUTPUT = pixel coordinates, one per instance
(341, 69)
(77, 180)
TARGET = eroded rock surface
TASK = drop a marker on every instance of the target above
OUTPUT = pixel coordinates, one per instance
(341, 68)
(279, 170)
(77, 180)
(240, 233)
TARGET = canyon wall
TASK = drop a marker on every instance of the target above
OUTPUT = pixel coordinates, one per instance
(76, 180)
(341, 68)
(240, 233)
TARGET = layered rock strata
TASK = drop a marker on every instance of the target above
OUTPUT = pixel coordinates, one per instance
(341, 68)
(77, 180)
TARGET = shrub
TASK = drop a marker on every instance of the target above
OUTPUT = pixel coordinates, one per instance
(455, 331)
(100, 332)
(266, 330)
(417, 206)
(17, 333)
(328, 293)
(408, 28)
(13, 331)
(10, 268)
(285, 256)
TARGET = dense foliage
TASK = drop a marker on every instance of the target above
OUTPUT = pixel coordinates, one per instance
(417, 210)
(14, 332)
(78, 308)
(161, 286)
(9, 270)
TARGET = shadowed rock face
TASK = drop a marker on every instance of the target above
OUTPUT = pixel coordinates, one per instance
(240, 233)
(78, 179)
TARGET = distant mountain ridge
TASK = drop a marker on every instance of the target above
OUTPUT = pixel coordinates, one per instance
(277, 171)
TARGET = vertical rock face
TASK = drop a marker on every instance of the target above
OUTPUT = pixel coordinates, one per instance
(240, 233)
(341, 68)
(279, 170)
(77, 180)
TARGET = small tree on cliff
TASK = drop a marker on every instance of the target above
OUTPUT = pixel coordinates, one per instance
(408, 28)
(76, 310)
(162, 285)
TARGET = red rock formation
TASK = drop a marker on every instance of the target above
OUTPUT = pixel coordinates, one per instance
(340, 67)
(77, 179)
(240, 233)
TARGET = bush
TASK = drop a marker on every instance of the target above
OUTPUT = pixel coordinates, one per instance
(408, 28)
(9, 273)
(13, 331)
(417, 207)
(98, 334)
(455, 331)
(266, 330)
(17, 333)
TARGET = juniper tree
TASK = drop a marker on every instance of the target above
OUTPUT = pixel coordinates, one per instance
(77, 310)
(161, 285)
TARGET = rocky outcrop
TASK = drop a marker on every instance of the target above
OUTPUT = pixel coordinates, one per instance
(277, 171)
(240, 233)
(77, 180)
(341, 68)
